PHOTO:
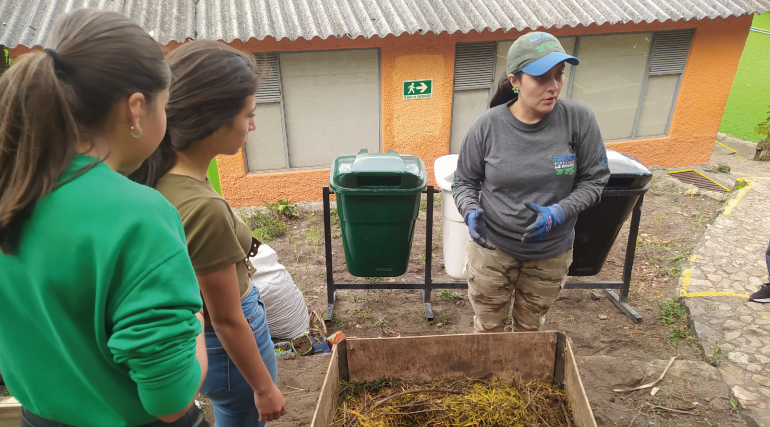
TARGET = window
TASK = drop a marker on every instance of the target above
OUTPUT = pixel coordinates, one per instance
(501, 62)
(478, 67)
(629, 80)
(474, 68)
(669, 55)
(313, 107)
(609, 79)
(265, 149)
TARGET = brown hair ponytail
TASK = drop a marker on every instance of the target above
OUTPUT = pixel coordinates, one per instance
(210, 83)
(504, 93)
(51, 100)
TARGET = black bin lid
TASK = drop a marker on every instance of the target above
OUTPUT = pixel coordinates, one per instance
(626, 172)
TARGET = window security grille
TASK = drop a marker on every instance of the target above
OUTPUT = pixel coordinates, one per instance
(474, 66)
(269, 89)
(670, 51)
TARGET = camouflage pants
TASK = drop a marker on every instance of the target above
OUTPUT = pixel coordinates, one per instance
(496, 278)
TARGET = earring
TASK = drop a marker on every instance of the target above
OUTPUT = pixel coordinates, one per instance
(515, 89)
(132, 132)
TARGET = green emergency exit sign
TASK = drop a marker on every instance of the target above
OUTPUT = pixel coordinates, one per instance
(418, 89)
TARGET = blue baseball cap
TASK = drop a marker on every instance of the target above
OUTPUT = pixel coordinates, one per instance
(535, 53)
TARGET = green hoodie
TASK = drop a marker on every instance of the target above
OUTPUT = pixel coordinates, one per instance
(97, 306)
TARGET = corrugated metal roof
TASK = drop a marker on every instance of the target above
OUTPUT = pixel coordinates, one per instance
(165, 20)
(27, 22)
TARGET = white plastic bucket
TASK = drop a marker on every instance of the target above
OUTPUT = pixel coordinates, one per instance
(454, 231)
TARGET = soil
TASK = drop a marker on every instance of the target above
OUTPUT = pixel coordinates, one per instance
(610, 350)
(300, 380)
(301, 344)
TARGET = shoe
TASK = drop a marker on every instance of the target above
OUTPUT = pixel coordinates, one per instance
(762, 295)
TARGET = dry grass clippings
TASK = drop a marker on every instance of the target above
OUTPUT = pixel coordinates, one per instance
(452, 402)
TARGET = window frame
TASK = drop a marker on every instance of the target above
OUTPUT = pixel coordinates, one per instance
(647, 74)
(492, 84)
(283, 114)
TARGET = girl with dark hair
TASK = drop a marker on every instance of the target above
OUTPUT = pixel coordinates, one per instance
(538, 162)
(211, 112)
(100, 306)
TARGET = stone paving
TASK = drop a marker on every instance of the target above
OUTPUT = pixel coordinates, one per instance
(728, 264)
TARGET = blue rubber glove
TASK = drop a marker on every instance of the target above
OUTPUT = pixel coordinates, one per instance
(547, 218)
(474, 219)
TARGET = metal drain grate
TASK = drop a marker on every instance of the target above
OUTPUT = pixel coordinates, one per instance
(691, 176)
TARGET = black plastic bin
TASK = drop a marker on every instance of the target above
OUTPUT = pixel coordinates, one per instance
(598, 226)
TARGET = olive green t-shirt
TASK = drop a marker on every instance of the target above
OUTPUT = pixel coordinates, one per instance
(216, 235)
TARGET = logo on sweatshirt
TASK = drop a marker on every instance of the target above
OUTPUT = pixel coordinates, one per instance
(601, 156)
(565, 165)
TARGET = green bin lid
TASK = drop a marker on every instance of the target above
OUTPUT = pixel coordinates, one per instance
(378, 173)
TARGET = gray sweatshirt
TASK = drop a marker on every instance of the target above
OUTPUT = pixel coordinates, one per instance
(560, 159)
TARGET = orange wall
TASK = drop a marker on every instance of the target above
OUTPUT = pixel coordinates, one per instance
(421, 127)
(708, 77)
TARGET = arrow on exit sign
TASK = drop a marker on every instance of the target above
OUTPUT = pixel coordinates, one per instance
(418, 89)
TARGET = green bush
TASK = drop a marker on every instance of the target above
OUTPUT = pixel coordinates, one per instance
(265, 227)
(284, 207)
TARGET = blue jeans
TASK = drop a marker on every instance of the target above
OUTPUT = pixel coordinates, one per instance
(231, 396)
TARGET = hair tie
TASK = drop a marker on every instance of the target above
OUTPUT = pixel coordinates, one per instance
(58, 64)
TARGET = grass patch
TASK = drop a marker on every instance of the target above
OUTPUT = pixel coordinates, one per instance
(443, 319)
(672, 272)
(673, 315)
(314, 236)
(382, 322)
(449, 295)
(363, 314)
(671, 312)
(284, 208)
(265, 227)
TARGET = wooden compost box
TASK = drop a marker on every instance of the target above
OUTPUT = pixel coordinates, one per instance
(514, 356)
(10, 412)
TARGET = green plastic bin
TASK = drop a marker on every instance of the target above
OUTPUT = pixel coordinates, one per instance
(378, 198)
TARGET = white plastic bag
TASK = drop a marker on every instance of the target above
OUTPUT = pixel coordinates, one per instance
(287, 314)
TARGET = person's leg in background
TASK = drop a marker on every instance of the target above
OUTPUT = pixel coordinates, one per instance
(536, 290)
(763, 294)
(767, 261)
(492, 277)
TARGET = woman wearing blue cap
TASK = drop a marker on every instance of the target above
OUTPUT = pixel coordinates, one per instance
(538, 162)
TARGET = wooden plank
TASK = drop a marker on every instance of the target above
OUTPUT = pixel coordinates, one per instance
(573, 386)
(327, 402)
(10, 412)
(525, 355)
(558, 369)
(343, 358)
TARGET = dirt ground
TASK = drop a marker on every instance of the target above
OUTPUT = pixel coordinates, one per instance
(611, 351)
